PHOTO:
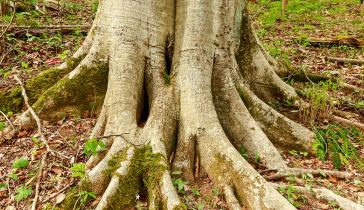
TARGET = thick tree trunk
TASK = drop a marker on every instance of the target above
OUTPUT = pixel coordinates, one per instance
(187, 81)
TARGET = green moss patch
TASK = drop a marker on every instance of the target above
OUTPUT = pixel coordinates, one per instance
(145, 170)
(12, 100)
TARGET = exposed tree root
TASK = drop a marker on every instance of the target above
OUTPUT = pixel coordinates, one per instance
(323, 193)
(231, 200)
(348, 122)
(200, 102)
(315, 172)
(282, 131)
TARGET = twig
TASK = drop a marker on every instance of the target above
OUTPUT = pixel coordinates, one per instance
(43, 139)
(11, 22)
(345, 60)
(7, 119)
(326, 194)
(59, 192)
(34, 115)
(39, 179)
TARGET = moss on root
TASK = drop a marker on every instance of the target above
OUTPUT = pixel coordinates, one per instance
(72, 196)
(145, 170)
(81, 92)
(12, 100)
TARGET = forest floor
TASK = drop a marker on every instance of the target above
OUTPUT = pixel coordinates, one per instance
(302, 40)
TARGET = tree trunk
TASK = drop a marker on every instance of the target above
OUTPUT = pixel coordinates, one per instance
(187, 81)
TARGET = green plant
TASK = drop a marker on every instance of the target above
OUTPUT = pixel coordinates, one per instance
(335, 142)
(78, 170)
(2, 126)
(24, 65)
(196, 192)
(292, 195)
(216, 191)
(64, 54)
(92, 146)
(298, 153)
(320, 102)
(2, 185)
(85, 197)
(200, 206)
(244, 153)
(20, 163)
(23, 192)
(180, 184)
(13, 176)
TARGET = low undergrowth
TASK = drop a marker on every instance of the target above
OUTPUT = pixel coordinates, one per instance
(340, 145)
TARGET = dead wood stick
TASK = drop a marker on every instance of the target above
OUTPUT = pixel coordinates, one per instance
(315, 172)
(59, 192)
(42, 137)
(7, 119)
(51, 28)
(326, 194)
(8, 26)
(345, 60)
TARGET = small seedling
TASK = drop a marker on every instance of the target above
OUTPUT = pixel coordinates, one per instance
(200, 206)
(23, 192)
(92, 146)
(180, 184)
(85, 196)
(20, 163)
(196, 192)
(13, 176)
(2, 185)
(216, 191)
(78, 170)
(2, 126)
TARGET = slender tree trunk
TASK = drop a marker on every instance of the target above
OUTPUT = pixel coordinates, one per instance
(187, 83)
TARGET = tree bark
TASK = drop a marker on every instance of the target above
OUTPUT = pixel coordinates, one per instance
(187, 81)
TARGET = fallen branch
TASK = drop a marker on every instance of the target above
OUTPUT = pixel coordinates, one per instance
(42, 137)
(328, 195)
(8, 26)
(349, 41)
(303, 76)
(17, 30)
(59, 192)
(345, 60)
(314, 172)
(348, 122)
(7, 119)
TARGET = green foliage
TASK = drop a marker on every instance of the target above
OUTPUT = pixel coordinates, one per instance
(166, 78)
(180, 185)
(216, 191)
(13, 176)
(244, 153)
(20, 163)
(92, 146)
(23, 192)
(78, 170)
(2, 185)
(64, 54)
(2, 126)
(292, 195)
(320, 102)
(200, 206)
(339, 144)
(85, 197)
(196, 192)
